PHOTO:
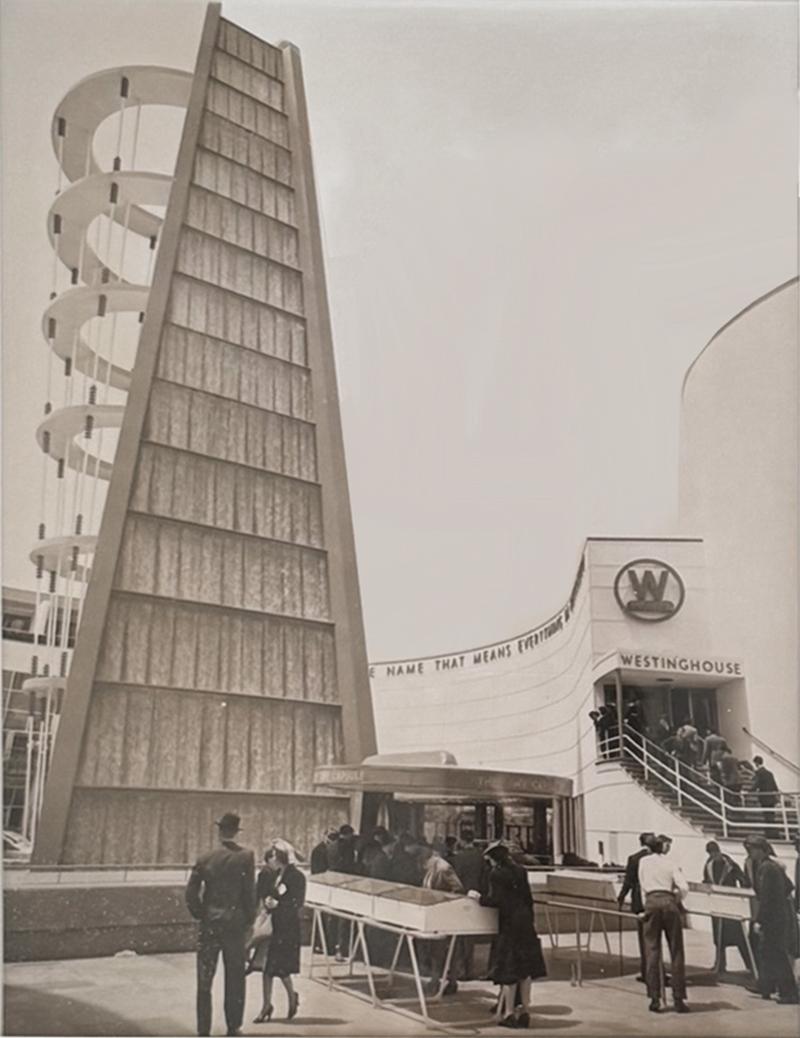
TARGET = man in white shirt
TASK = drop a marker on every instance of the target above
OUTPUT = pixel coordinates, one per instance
(663, 886)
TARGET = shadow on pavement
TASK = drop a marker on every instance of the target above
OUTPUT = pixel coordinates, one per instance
(555, 1010)
(712, 1007)
(313, 1021)
(594, 966)
(36, 1011)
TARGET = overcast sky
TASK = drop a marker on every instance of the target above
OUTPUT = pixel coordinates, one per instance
(534, 214)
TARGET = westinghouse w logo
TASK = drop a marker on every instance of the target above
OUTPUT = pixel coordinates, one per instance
(649, 590)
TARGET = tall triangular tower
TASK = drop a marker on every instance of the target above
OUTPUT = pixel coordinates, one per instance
(220, 656)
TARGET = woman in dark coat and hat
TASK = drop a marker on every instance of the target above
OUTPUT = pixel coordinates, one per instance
(281, 887)
(517, 957)
(722, 871)
(775, 923)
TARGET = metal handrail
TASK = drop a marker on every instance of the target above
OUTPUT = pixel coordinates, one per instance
(765, 746)
(705, 780)
(635, 746)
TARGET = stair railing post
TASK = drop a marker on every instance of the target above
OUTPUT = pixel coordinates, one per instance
(723, 807)
(678, 780)
(644, 757)
(785, 818)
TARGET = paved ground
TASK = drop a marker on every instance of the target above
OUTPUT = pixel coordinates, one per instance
(154, 995)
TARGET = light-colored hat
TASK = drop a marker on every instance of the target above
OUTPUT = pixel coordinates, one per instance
(286, 848)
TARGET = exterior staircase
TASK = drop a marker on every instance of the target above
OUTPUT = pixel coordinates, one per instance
(696, 798)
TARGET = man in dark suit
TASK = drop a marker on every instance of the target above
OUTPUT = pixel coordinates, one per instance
(630, 885)
(320, 861)
(766, 789)
(342, 858)
(471, 868)
(220, 894)
(321, 854)
(403, 866)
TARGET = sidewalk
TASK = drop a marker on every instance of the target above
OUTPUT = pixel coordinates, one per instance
(154, 995)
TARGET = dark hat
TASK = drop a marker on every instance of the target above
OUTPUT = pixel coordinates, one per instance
(758, 842)
(497, 851)
(230, 822)
(332, 834)
(346, 830)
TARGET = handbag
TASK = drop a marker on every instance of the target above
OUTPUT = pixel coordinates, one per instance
(262, 928)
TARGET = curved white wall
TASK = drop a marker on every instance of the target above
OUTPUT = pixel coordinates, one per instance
(739, 492)
(517, 705)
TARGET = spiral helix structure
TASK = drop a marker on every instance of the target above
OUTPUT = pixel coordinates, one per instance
(103, 226)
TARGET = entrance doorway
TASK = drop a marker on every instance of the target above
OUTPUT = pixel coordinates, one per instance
(678, 703)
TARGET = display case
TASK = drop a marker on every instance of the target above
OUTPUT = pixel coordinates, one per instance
(397, 904)
(730, 902)
(590, 887)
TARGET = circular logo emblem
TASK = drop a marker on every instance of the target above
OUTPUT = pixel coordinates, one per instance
(649, 590)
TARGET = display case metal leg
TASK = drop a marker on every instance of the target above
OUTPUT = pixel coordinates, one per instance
(578, 947)
(362, 940)
(324, 942)
(314, 917)
(423, 1005)
(743, 925)
(590, 932)
(351, 947)
(448, 959)
(605, 934)
(395, 958)
(553, 934)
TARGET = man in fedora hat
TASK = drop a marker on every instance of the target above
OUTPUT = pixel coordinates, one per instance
(220, 894)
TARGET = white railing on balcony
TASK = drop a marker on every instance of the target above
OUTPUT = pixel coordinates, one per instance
(736, 812)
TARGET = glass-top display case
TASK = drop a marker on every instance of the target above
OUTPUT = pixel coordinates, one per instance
(731, 902)
(597, 886)
(398, 904)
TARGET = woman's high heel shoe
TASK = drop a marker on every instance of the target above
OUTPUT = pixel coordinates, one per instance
(294, 1003)
(264, 1016)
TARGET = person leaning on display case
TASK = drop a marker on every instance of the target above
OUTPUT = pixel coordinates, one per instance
(517, 955)
(439, 874)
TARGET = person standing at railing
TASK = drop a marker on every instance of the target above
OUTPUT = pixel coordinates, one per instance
(633, 727)
(729, 775)
(630, 885)
(662, 730)
(663, 887)
(604, 726)
(722, 871)
(775, 923)
(766, 789)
